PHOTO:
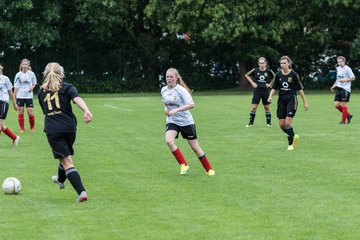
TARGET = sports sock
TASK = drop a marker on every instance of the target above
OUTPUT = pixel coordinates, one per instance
(21, 121)
(339, 108)
(252, 117)
(10, 134)
(61, 174)
(179, 157)
(75, 180)
(204, 161)
(268, 117)
(32, 121)
(290, 133)
(344, 114)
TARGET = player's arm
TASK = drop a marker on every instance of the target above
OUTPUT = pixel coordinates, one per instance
(269, 85)
(12, 97)
(302, 94)
(249, 79)
(271, 94)
(180, 109)
(82, 105)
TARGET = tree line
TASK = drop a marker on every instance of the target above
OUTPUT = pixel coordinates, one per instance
(117, 46)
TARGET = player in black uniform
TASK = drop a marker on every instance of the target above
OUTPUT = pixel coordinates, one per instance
(60, 124)
(288, 83)
(260, 78)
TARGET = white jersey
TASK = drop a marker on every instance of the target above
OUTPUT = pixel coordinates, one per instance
(23, 82)
(341, 73)
(5, 86)
(174, 98)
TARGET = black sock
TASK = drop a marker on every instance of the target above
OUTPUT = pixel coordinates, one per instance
(252, 117)
(75, 180)
(268, 117)
(61, 174)
(290, 133)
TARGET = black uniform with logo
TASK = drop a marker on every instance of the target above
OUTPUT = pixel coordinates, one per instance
(261, 78)
(288, 85)
(60, 122)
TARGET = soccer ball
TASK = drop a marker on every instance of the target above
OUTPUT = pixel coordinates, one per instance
(11, 185)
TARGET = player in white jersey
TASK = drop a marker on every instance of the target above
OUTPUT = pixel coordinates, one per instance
(342, 85)
(178, 101)
(5, 95)
(24, 83)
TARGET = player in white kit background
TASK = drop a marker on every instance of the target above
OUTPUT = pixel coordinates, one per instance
(342, 87)
(24, 84)
(5, 95)
(178, 101)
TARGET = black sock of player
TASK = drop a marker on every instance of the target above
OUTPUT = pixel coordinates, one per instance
(268, 117)
(75, 180)
(252, 117)
(61, 174)
(290, 132)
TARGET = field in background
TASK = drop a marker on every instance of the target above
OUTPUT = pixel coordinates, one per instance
(260, 190)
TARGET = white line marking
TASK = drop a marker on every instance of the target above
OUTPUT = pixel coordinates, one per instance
(117, 108)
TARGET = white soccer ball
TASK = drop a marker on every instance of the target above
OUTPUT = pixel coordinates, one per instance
(11, 185)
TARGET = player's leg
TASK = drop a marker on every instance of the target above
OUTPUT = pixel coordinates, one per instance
(345, 97)
(21, 104)
(266, 104)
(194, 144)
(30, 112)
(4, 107)
(254, 105)
(170, 134)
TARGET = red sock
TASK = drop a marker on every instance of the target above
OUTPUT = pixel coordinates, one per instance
(32, 121)
(339, 108)
(204, 161)
(21, 121)
(10, 134)
(179, 157)
(345, 113)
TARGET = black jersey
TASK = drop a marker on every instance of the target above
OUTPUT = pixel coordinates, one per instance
(261, 78)
(57, 109)
(287, 84)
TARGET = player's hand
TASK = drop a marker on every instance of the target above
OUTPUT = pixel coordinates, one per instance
(254, 85)
(16, 107)
(87, 117)
(306, 106)
(269, 100)
(332, 88)
(172, 112)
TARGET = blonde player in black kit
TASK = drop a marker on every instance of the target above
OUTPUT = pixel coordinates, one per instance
(60, 124)
(260, 78)
(288, 83)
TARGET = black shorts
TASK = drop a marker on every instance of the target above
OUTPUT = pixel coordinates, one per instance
(62, 144)
(341, 95)
(287, 106)
(187, 132)
(260, 93)
(4, 108)
(21, 102)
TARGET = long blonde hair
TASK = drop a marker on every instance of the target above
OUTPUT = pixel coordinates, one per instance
(22, 61)
(1, 69)
(53, 77)
(179, 79)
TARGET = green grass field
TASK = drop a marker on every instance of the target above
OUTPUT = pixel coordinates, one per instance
(260, 190)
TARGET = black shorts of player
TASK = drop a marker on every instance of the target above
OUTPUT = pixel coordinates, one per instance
(260, 93)
(21, 102)
(62, 144)
(341, 95)
(287, 106)
(4, 108)
(187, 132)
